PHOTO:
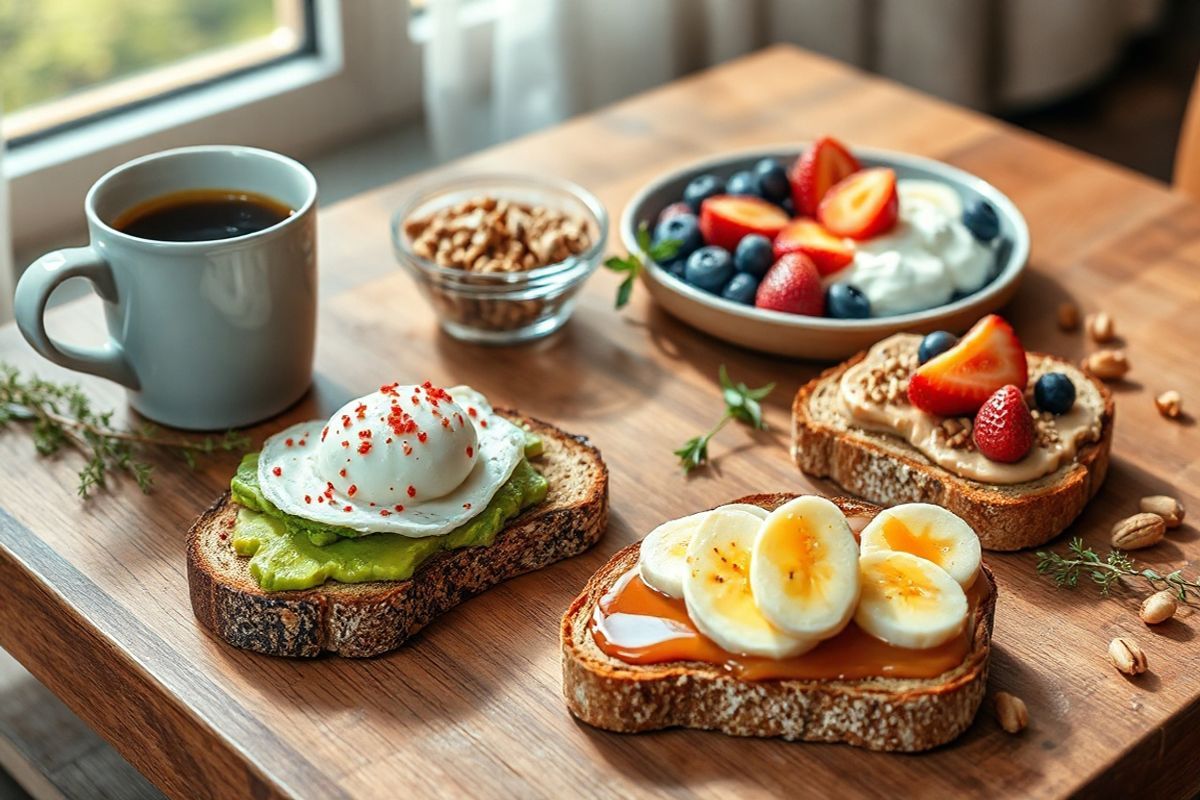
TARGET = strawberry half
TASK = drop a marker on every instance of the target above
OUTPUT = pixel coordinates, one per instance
(961, 379)
(864, 205)
(819, 168)
(725, 219)
(804, 235)
(792, 285)
(1003, 429)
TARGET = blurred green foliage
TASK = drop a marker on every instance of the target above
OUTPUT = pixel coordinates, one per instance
(49, 48)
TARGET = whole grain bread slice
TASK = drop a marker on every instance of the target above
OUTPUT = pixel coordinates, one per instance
(366, 619)
(891, 714)
(887, 470)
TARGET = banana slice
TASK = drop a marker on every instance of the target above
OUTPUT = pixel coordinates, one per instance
(716, 588)
(804, 569)
(908, 601)
(930, 532)
(934, 193)
(662, 559)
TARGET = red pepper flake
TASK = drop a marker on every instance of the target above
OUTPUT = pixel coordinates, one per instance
(342, 472)
(353, 490)
(412, 491)
(385, 513)
(360, 410)
(345, 420)
(372, 505)
(422, 437)
(387, 440)
(320, 498)
(347, 509)
(400, 422)
(416, 401)
(365, 433)
(308, 499)
(483, 423)
(471, 412)
(223, 536)
(407, 449)
(277, 471)
(329, 491)
(288, 442)
(470, 451)
(364, 448)
(303, 442)
(389, 389)
(399, 508)
(458, 417)
(467, 506)
(324, 432)
(345, 443)
(445, 422)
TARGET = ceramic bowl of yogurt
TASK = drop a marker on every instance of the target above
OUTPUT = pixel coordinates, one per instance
(925, 274)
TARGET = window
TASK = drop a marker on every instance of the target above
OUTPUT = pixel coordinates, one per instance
(67, 61)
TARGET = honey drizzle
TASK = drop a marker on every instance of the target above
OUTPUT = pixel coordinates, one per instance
(638, 625)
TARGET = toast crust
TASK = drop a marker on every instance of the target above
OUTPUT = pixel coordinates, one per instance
(889, 714)
(886, 470)
(367, 619)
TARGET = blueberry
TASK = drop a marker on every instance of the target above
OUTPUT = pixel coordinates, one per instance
(741, 289)
(846, 302)
(674, 210)
(700, 189)
(685, 229)
(753, 255)
(675, 267)
(1054, 392)
(743, 183)
(709, 268)
(772, 180)
(788, 206)
(1004, 250)
(935, 344)
(981, 220)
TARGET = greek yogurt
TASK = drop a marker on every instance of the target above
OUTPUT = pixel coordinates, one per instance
(925, 260)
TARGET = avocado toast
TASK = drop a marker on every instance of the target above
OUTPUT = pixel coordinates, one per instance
(265, 579)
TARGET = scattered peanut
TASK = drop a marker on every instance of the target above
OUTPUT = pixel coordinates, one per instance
(1170, 509)
(1068, 316)
(1140, 530)
(1107, 365)
(1011, 712)
(1158, 607)
(1169, 404)
(1100, 327)
(1127, 656)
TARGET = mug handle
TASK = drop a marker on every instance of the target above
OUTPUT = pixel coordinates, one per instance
(29, 307)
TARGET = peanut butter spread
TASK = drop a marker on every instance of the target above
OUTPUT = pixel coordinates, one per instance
(873, 396)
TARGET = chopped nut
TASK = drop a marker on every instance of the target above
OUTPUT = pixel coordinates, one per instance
(1170, 509)
(1068, 316)
(1158, 607)
(1107, 365)
(1140, 530)
(1169, 404)
(1100, 327)
(1011, 712)
(1127, 656)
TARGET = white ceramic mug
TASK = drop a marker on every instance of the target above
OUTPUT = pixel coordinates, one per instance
(205, 335)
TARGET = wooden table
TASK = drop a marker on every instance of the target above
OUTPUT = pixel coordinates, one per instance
(94, 599)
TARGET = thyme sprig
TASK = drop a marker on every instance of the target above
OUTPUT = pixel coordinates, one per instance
(60, 415)
(1110, 572)
(741, 404)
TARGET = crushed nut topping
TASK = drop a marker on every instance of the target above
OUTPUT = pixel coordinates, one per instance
(887, 382)
(955, 433)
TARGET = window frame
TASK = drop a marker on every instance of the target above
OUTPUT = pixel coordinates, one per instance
(362, 75)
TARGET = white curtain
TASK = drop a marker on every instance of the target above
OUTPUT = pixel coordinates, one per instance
(7, 276)
(545, 60)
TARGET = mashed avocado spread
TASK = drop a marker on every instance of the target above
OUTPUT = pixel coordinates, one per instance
(288, 552)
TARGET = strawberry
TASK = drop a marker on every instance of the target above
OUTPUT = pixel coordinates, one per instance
(804, 235)
(1003, 429)
(820, 167)
(959, 380)
(863, 205)
(792, 285)
(725, 219)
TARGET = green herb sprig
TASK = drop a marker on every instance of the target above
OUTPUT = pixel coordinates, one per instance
(631, 265)
(741, 403)
(1110, 572)
(61, 415)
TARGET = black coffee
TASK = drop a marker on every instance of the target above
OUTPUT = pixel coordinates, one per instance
(200, 215)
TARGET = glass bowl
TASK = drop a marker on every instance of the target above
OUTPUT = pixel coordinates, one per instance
(502, 307)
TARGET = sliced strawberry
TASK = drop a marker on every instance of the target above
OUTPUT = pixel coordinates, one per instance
(792, 285)
(804, 235)
(725, 219)
(961, 379)
(1003, 429)
(819, 168)
(864, 205)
